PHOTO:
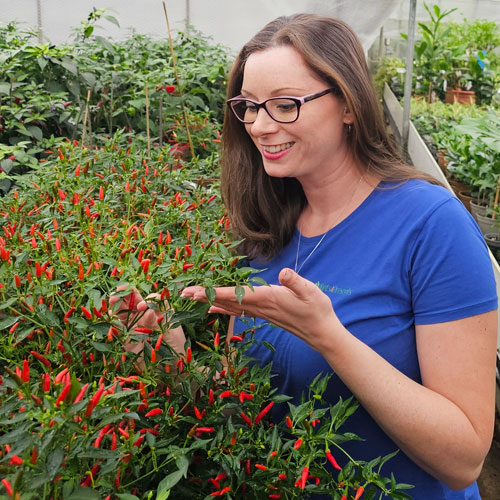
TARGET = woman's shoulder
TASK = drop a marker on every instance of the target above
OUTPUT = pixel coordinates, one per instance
(417, 195)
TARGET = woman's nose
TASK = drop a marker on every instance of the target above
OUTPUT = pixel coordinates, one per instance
(263, 124)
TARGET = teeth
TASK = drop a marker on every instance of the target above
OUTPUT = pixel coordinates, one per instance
(278, 148)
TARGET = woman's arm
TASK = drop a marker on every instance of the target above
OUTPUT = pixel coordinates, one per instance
(444, 424)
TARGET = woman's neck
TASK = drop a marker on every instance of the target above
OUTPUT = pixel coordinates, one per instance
(333, 198)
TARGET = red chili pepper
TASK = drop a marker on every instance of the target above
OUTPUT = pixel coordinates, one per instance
(158, 342)
(69, 314)
(246, 418)
(8, 487)
(140, 329)
(124, 433)
(145, 265)
(297, 444)
(189, 355)
(264, 412)
(236, 338)
(63, 394)
(210, 397)
(80, 395)
(60, 375)
(185, 267)
(155, 411)
(359, 492)
(81, 272)
(332, 460)
(16, 460)
(289, 422)
(275, 495)
(303, 477)
(41, 358)
(225, 394)
(86, 312)
(17, 280)
(34, 456)
(113, 441)
(46, 382)
(282, 476)
(139, 441)
(205, 429)
(26, 371)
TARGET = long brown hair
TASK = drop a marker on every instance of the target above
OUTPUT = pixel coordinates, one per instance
(263, 210)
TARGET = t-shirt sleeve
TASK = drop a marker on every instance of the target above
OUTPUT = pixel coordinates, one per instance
(450, 269)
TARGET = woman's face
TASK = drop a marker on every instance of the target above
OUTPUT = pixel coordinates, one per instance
(314, 144)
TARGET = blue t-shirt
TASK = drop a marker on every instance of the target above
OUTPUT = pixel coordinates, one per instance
(409, 254)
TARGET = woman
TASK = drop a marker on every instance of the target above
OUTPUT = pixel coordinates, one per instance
(377, 275)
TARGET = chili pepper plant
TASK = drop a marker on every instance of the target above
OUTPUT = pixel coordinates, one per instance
(84, 416)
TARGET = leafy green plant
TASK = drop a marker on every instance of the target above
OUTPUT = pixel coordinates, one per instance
(78, 418)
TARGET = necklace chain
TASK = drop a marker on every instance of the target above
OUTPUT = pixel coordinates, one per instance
(324, 235)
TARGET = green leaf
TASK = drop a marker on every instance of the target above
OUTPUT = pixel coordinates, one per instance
(112, 19)
(82, 493)
(69, 65)
(7, 322)
(8, 303)
(172, 479)
(126, 496)
(54, 461)
(105, 43)
(240, 293)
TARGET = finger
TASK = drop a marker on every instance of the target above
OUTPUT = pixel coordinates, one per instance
(150, 299)
(229, 312)
(194, 293)
(295, 283)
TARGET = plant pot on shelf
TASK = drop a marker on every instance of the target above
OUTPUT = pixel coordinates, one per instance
(478, 208)
(460, 96)
(466, 197)
(493, 242)
(443, 161)
(487, 224)
(458, 186)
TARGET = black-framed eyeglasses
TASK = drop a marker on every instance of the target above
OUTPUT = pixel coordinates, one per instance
(283, 109)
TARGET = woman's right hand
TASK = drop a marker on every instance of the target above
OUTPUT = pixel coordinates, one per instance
(134, 309)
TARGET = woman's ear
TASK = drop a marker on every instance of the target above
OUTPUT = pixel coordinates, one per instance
(347, 116)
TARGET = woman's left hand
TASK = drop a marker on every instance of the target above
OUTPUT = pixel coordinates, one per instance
(297, 306)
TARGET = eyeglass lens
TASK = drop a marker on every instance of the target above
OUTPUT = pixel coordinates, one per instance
(282, 110)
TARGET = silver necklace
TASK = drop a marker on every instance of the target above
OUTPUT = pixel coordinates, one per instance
(324, 235)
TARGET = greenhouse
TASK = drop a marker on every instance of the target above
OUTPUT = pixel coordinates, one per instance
(249, 250)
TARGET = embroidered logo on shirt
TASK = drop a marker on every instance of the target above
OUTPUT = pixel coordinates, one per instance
(333, 289)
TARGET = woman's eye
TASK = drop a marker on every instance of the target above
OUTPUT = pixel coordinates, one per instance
(251, 107)
(286, 107)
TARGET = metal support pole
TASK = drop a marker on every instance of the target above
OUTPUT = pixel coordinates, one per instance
(409, 75)
(39, 21)
(188, 14)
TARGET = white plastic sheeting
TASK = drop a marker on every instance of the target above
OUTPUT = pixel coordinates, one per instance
(231, 22)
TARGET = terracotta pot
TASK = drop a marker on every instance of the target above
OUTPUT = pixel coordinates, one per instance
(465, 197)
(460, 96)
(458, 186)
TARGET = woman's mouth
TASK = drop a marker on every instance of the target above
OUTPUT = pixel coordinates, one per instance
(278, 147)
(276, 151)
